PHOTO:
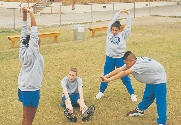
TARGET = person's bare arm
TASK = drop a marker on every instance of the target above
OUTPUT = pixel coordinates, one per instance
(24, 14)
(81, 101)
(33, 21)
(80, 89)
(114, 72)
(67, 101)
(66, 95)
(117, 76)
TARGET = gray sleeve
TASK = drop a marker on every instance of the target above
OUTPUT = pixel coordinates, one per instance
(64, 82)
(24, 33)
(28, 54)
(127, 28)
(116, 16)
(125, 66)
(79, 80)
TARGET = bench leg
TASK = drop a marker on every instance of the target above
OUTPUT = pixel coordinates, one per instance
(56, 39)
(12, 44)
(93, 33)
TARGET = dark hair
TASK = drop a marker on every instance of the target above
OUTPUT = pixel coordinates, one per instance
(116, 24)
(26, 41)
(126, 55)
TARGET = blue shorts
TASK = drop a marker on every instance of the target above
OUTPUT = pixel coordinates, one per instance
(29, 98)
(73, 98)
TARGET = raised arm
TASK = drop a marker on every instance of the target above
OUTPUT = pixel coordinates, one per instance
(116, 16)
(33, 21)
(29, 51)
(34, 39)
(114, 19)
(24, 33)
(127, 29)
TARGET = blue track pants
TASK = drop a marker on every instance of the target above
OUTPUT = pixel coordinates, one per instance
(158, 91)
(109, 66)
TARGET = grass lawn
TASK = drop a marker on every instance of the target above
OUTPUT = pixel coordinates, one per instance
(154, 37)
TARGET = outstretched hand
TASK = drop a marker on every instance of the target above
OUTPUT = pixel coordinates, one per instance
(104, 79)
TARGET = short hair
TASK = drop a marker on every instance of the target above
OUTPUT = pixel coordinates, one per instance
(116, 24)
(129, 56)
(73, 70)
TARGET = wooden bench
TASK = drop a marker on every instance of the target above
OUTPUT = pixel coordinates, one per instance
(41, 35)
(95, 29)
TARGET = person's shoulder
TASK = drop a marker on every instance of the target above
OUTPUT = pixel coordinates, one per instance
(138, 61)
(78, 78)
(65, 79)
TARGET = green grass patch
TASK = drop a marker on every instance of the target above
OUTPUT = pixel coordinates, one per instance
(157, 40)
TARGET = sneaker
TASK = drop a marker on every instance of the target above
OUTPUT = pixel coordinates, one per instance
(135, 112)
(69, 115)
(89, 112)
(99, 95)
(160, 124)
(133, 98)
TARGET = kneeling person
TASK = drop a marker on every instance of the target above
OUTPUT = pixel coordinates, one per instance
(73, 95)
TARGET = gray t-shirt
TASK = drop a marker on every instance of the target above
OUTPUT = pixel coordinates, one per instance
(72, 87)
(148, 71)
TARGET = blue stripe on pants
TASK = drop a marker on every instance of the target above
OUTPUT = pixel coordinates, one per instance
(109, 66)
(158, 91)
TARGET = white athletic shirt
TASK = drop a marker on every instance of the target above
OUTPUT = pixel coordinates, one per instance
(148, 71)
(72, 87)
(116, 45)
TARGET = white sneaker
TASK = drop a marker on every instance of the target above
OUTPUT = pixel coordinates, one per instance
(133, 98)
(99, 95)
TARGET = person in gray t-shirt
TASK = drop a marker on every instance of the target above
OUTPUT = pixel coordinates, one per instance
(147, 71)
(73, 95)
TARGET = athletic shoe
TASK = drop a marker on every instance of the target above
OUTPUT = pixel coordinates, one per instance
(69, 115)
(89, 112)
(133, 98)
(160, 124)
(99, 95)
(135, 112)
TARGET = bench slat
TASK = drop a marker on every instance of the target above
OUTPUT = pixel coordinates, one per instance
(95, 29)
(15, 38)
